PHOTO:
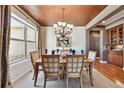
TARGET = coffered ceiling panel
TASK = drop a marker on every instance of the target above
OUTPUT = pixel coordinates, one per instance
(47, 15)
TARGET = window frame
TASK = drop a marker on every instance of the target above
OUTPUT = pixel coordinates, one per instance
(26, 26)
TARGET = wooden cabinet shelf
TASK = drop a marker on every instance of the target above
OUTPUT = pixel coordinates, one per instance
(116, 35)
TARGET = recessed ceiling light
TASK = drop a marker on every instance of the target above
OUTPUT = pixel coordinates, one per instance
(103, 22)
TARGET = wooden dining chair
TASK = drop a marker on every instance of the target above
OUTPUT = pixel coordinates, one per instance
(34, 56)
(74, 67)
(51, 67)
(91, 58)
(92, 55)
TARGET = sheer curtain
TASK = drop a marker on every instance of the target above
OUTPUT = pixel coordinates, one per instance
(39, 40)
(5, 15)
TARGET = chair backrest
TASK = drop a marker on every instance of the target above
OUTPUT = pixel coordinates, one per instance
(74, 63)
(50, 63)
(34, 56)
(92, 55)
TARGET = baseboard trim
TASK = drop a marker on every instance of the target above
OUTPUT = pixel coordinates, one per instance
(103, 62)
(123, 68)
(21, 75)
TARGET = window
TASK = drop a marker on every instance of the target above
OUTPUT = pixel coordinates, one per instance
(23, 40)
(17, 29)
(31, 40)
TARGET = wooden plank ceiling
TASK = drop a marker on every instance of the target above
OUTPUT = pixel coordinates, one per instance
(78, 15)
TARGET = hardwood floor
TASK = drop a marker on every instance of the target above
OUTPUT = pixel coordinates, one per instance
(114, 73)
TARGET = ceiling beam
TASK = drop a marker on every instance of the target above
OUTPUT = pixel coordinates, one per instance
(103, 15)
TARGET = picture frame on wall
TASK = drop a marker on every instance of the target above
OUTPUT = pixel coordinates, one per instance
(63, 41)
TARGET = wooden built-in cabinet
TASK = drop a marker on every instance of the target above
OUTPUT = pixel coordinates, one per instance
(116, 35)
(114, 56)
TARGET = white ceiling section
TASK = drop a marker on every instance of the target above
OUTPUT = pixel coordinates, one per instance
(109, 9)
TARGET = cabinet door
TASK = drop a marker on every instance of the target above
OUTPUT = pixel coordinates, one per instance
(116, 35)
(110, 58)
(120, 60)
(115, 59)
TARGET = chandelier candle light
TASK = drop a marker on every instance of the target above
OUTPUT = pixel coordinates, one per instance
(62, 28)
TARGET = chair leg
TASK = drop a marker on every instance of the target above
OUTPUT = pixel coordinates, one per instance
(90, 74)
(33, 77)
(64, 75)
(81, 83)
(67, 82)
(45, 82)
(87, 69)
(58, 76)
(34, 73)
(36, 76)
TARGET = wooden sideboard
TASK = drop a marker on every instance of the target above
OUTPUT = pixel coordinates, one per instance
(114, 48)
(115, 57)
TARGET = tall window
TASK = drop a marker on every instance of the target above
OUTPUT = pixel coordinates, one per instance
(23, 40)
(31, 40)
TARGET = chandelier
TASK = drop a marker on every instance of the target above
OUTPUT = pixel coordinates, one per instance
(62, 28)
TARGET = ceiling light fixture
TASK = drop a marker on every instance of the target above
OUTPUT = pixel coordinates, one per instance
(103, 22)
(62, 28)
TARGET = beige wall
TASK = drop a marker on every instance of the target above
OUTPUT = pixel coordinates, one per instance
(78, 40)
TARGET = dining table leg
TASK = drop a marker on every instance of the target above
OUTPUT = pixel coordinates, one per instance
(64, 74)
(36, 74)
(91, 74)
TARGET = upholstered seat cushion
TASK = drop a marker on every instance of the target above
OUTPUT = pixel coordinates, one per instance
(73, 75)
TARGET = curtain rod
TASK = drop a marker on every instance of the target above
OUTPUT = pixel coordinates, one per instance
(26, 15)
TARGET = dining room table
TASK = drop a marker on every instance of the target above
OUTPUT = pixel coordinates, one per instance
(63, 62)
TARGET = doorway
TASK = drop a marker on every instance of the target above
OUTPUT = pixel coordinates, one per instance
(94, 42)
